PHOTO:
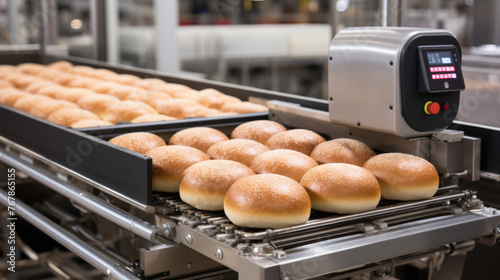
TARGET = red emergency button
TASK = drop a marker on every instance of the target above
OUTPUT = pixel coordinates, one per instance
(431, 108)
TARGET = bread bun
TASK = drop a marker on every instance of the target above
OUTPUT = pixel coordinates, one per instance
(199, 111)
(259, 131)
(123, 91)
(300, 140)
(44, 108)
(404, 177)
(83, 70)
(125, 111)
(97, 103)
(150, 83)
(169, 163)
(64, 79)
(152, 118)
(267, 201)
(61, 65)
(9, 96)
(152, 98)
(21, 81)
(243, 107)
(140, 142)
(83, 82)
(173, 90)
(175, 107)
(200, 138)
(125, 79)
(341, 188)
(213, 98)
(34, 87)
(73, 94)
(31, 68)
(28, 102)
(204, 184)
(284, 162)
(69, 116)
(240, 150)
(90, 123)
(102, 73)
(50, 91)
(104, 87)
(342, 150)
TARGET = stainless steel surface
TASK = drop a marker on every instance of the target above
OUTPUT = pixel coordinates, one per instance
(68, 240)
(84, 199)
(471, 160)
(176, 259)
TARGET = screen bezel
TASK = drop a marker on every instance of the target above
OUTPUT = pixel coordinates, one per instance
(433, 86)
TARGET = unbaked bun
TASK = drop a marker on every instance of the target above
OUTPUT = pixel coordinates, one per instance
(284, 162)
(300, 140)
(200, 138)
(404, 177)
(259, 131)
(341, 188)
(243, 107)
(240, 150)
(204, 184)
(342, 150)
(267, 201)
(152, 118)
(169, 163)
(69, 116)
(140, 142)
(127, 110)
(90, 123)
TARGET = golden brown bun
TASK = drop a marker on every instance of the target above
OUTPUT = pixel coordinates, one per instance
(44, 108)
(200, 138)
(104, 87)
(28, 102)
(174, 90)
(204, 184)
(90, 123)
(199, 111)
(101, 73)
(21, 81)
(123, 91)
(81, 70)
(213, 98)
(34, 87)
(342, 150)
(404, 177)
(152, 118)
(64, 79)
(300, 140)
(175, 107)
(30, 68)
(152, 98)
(9, 96)
(267, 201)
(169, 163)
(97, 103)
(284, 162)
(61, 65)
(125, 79)
(140, 142)
(69, 116)
(240, 150)
(341, 188)
(50, 91)
(259, 131)
(243, 107)
(150, 83)
(83, 82)
(125, 111)
(73, 94)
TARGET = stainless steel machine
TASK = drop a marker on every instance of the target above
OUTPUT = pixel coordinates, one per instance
(113, 221)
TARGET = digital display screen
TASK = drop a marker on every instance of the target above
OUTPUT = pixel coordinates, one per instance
(440, 68)
(439, 58)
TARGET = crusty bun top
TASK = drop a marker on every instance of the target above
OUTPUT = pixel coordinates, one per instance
(403, 176)
(127, 110)
(285, 162)
(300, 140)
(267, 201)
(200, 138)
(44, 108)
(259, 131)
(342, 150)
(68, 116)
(140, 142)
(240, 150)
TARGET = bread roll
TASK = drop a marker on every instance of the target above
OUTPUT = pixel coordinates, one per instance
(83, 82)
(284, 162)
(204, 184)
(240, 150)
(267, 201)
(104, 87)
(152, 98)
(9, 96)
(125, 111)
(152, 118)
(301, 140)
(34, 87)
(140, 142)
(44, 108)
(64, 79)
(150, 83)
(97, 103)
(101, 73)
(173, 89)
(259, 131)
(341, 188)
(200, 138)
(243, 107)
(69, 116)
(90, 123)
(30, 68)
(342, 150)
(21, 81)
(404, 177)
(123, 91)
(73, 94)
(199, 111)
(50, 91)
(175, 107)
(61, 65)
(81, 70)
(125, 79)
(213, 98)
(169, 163)
(28, 102)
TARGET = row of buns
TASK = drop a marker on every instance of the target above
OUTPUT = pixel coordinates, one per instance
(276, 184)
(98, 97)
